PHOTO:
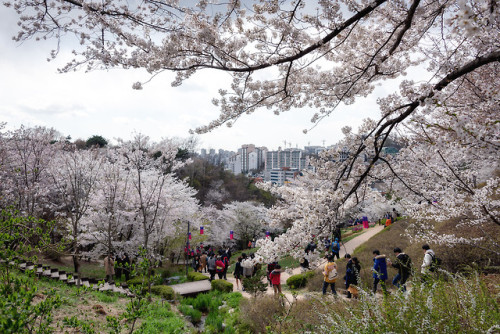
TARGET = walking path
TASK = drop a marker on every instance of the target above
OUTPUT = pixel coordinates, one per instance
(192, 287)
(348, 247)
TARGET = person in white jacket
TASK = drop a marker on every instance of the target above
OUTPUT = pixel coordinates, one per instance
(427, 262)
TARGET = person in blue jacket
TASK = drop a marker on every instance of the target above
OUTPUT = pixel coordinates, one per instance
(336, 248)
(379, 271)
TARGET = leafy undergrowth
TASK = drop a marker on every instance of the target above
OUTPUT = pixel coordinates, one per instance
(82, 309)
(221, 311)
(159, 318)
(455, 304)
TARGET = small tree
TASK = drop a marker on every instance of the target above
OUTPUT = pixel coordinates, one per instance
(255, 285)
(96, 141)
(19, 237)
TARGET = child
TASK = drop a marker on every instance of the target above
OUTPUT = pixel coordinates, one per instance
(275, 277)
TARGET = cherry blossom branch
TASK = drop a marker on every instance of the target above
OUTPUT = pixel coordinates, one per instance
(389, 125)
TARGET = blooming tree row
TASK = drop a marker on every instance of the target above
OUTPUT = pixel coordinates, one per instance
(322, 54)
(107, 200)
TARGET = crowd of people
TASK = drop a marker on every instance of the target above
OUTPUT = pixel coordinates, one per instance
(402, 263)
(207, 260)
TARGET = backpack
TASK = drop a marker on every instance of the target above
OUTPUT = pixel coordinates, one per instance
(405, 262)
(332, 274)
(226, 261)
(435, 263)
(335, 246)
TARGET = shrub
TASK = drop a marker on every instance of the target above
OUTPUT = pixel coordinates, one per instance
(202, 302)
(163, 291)
(193, 314)
(139, 280)
(222, 285)
(233, 299)
(458, 306)
(296, 281)
(309, 274)
(214, 323)
(254, 285)
(194, 276)
(257, 314)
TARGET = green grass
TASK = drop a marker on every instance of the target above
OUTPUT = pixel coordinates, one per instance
(90, 270)
(105, 297)
(288, 262)
(160, 319)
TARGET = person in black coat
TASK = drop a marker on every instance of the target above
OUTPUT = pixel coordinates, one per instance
(353, 269)
(403, 265)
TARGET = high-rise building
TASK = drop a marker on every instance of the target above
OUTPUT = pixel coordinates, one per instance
(291, 158)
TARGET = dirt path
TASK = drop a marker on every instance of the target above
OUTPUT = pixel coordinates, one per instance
(348, 247)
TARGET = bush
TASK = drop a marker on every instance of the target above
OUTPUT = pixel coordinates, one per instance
(233, 299)
(202, 302)
(194, 276)
(163, 291)
(139, 280)
(222, 285)
(257, 314)
(297, 281)
(214, 323)
(309, 274)
(459, 305)
(187, 310)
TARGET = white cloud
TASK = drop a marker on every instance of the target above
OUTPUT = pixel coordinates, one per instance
(103, 102)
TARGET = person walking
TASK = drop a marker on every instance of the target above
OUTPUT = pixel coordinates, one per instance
(119, 267)
(126, 266)
(428, 263)
(211, 266)
(403, 265)
(327, 243)
(219, 267)
(270, 267)
(238, 272)
(330, 275)
(225, 260)
(109, 267)
(195, 263)
(379, 271)
(352, 271)
(203, 262)
(336, 248)
(275, 277)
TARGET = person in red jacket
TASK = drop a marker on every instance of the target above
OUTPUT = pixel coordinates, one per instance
(219, 267)
(275, 277)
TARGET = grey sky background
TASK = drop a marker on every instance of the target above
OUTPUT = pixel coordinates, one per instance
(81, 104)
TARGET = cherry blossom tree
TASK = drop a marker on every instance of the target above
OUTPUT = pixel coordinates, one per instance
(288, 54)
(26, 157)
(246, 219)
(156, 197)
(108, 224)
(74, 175)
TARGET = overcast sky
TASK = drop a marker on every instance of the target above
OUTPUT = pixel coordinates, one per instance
(81, 104)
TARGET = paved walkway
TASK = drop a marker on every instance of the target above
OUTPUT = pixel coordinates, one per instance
(191, 287)
(348, 247)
